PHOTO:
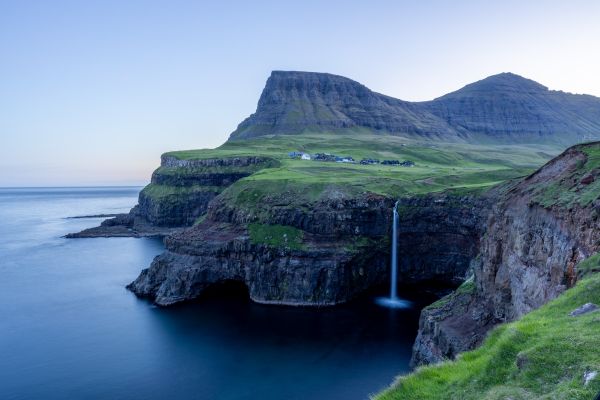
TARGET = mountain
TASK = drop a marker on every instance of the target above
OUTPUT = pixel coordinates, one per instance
(510, 106)
(292, 102)
(500, 108)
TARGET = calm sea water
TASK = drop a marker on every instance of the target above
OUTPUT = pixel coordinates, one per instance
(70, 330)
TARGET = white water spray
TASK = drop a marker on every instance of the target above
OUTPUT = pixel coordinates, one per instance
(394, 266)
(393, 301)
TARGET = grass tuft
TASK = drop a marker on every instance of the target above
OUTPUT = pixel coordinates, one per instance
(280, 236)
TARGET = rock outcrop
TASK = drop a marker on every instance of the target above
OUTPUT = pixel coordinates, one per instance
(538, 231)
(324, 271)
(178, 194)
(338, 250)
(500, 108)
(131, 224)
(343, 250)
(439, 236)
(180, 190)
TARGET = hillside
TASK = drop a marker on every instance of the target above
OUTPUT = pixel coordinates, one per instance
(294, 102)
(547, 354)
(507, 107)
(503, 108)
(256, 211)
(541, 242)
(297, 207)
(437, 167)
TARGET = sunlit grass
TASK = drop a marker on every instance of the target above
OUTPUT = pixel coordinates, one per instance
(438, 166)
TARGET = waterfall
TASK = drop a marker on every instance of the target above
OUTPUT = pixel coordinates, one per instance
(394, 301)
(394, 261)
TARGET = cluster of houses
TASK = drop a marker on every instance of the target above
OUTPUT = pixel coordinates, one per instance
(406, 163)
(320, 157)
(348, 159)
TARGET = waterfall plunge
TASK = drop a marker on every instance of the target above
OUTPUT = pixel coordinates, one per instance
(394, 301)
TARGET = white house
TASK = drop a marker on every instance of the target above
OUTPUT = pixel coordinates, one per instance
(305, 156)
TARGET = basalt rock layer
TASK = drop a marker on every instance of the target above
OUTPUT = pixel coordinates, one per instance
(180, 190)
(342, 249)
(537, 233)
(334, 254)
(324, 271)
(178, 194)
(439, 236)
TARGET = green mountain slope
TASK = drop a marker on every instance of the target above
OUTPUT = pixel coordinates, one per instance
(503, 108)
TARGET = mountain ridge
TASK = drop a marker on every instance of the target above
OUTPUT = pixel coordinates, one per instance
(500, 108)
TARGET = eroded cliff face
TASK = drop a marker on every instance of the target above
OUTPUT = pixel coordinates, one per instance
(341, 248)
(538, 231)
(439, 236)
(325, 258)
(180, 190)
(178, 194)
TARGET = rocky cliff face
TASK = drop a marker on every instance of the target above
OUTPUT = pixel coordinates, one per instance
(321, 258)
(181, 190)
(503, 108)
(178, 194)
(538, 231)
(439, 236)
(341, 249)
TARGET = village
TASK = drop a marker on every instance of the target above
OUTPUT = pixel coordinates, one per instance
(348, 159)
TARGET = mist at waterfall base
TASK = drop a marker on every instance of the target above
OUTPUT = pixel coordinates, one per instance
(394, 301)
(70, 330)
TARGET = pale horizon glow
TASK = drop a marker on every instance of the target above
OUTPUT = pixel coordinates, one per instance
(93, 92)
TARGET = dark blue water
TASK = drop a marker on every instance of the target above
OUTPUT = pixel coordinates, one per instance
(70, 330)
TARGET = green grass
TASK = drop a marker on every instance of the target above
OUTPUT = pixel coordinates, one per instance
(162, 192)
(438, 167)
(279, 236)
(567, 191)
(589, 266)
(555, 350)
(195, 171)
(359, 243)
(466, 288)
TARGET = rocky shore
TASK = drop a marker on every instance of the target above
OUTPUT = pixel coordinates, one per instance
(125, 225)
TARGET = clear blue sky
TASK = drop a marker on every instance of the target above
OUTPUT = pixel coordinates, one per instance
(92, 92)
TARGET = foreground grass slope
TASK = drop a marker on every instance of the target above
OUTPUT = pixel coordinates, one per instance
(438, 166)
(544, 355)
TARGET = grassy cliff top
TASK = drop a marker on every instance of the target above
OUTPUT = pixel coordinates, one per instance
(571, 179)
(438, 166)
(544, 355)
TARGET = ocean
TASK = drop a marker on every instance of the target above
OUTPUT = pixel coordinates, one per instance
(70, 330)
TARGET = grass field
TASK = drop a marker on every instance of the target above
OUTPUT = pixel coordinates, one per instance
(438, 166)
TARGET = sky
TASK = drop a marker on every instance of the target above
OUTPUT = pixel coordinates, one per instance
(92, 92)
